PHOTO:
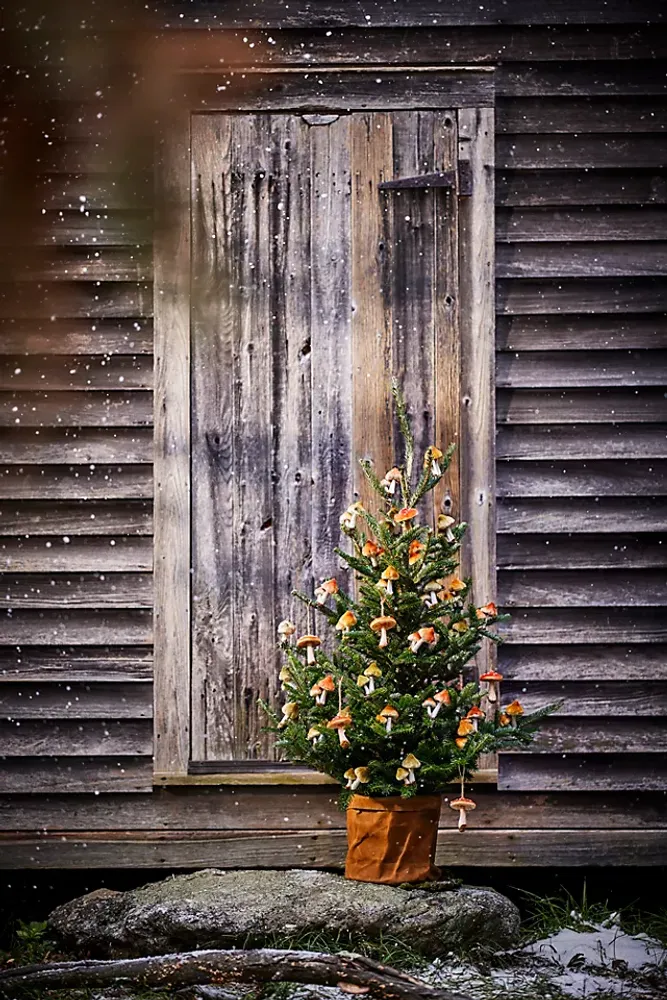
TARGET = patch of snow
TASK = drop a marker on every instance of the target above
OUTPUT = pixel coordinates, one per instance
(599, 945)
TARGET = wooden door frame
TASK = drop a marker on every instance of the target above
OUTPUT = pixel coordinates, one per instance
(471, 92)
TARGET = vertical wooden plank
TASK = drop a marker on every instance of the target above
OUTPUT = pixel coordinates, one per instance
(476, 258)
(172, 454)
(214, 335)
(254, 626)
(447, 372)
(333, 478)
(412, 270)
(371, 211)
(292, 353)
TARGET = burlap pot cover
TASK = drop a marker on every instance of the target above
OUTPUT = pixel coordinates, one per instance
(392, 840)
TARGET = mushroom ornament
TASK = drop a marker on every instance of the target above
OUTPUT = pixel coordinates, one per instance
(346, 621)
(310, 644)
(285, 630)
(464, 806)
(389, 575)
(340, 723)
(493, 679)
(387, 716)
(383, 624)
(325, 590)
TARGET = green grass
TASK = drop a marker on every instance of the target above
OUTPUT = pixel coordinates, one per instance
(549, 914)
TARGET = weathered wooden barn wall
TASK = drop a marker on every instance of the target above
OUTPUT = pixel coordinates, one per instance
(581, 181)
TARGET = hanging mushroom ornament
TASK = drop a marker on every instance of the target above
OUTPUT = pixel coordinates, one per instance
(515, 711)
(456, 585)
(390, 574)
(432, 590)
(315, 693)
(309, 643)
(493, 679)
(348, 519)
(464, 806)
(372, 550)
(391, 480)
(290, 713)
(476, 715)
(346, 621)
(327, 686)
(383, 624)
(387, 717)
(434, 456)
(487, 611)
(404, 516)
(370, 673)
(445, 523)
(411, 763)
(340, 723)
(429, 635)
(285, 630)
(314, 735)
(416, 642)
(326, 589)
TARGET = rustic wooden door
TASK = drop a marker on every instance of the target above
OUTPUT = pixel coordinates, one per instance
(311, 285)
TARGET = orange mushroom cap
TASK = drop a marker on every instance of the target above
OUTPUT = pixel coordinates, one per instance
(371, 549)
(327, 683)
(465, 728)
(427, 634)
(383, 621)
(475, 713)
(346, 620)
(391, 573)
(488, 610)
(340, 721)
(308, 640)
(389, 712)
(455, 584)
(443, 696)
(514, 708)
(462, 803)
(491, 675)
(405, 514)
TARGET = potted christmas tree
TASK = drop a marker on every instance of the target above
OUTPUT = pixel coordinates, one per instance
(391, 708)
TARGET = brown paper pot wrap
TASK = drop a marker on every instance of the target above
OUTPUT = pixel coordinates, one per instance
(392, 840)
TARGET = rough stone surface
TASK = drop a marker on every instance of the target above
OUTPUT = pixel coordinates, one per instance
(218, 909)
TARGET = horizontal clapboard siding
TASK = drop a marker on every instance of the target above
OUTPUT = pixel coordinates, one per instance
(582, 437)
(76, 452)
(581, 225)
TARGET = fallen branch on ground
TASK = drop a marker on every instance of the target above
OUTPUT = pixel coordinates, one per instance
(264, 965)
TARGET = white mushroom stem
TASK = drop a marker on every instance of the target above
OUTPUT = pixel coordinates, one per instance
(410, 780)
(383, 638)
(390, 589)
(310, 655)
(449, 535)
(370, 685)
(492, 693)
(321, 698)
(321, 597)
(475, 723)
(435, 468)
(463, 819)
(432, 598)
(389, 721)
(433, 712)
(355, 784)
(416, 644)
(342, 738)
(392, 486)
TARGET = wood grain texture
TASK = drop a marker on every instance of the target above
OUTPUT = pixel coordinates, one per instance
(601, 79)
(580, 406)
(76, 372)
(476, 246)
(577, 772)
(598, 442)
(372, 162)
(581, 552)
(591, 478)
(560, 735)
(172, 454)
(332, 14)
(332, 89)
(59, 482)
(53, 337)
(78, 517)
(95, 445)
(38, 665)
(549, 115)
(578, 515)
(590, 700)
(495, 848)
(82, 590)
(115, 408)
(583, 663)
(582, 224)
(26, 700)
(580, 333)
(53, 775)
(583, 588)
(77, 300)
(576, 625)
(314, 808)
(583, 186)
(571, 295)
(567, 260)
(76, 628)
(564, 369)
(82, 738)
(72, 555)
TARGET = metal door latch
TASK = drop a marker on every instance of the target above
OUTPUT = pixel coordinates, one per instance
(441, 179)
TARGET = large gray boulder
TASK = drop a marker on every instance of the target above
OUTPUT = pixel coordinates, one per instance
(225, 909)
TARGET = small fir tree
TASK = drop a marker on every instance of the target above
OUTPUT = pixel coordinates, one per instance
(393, 709)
